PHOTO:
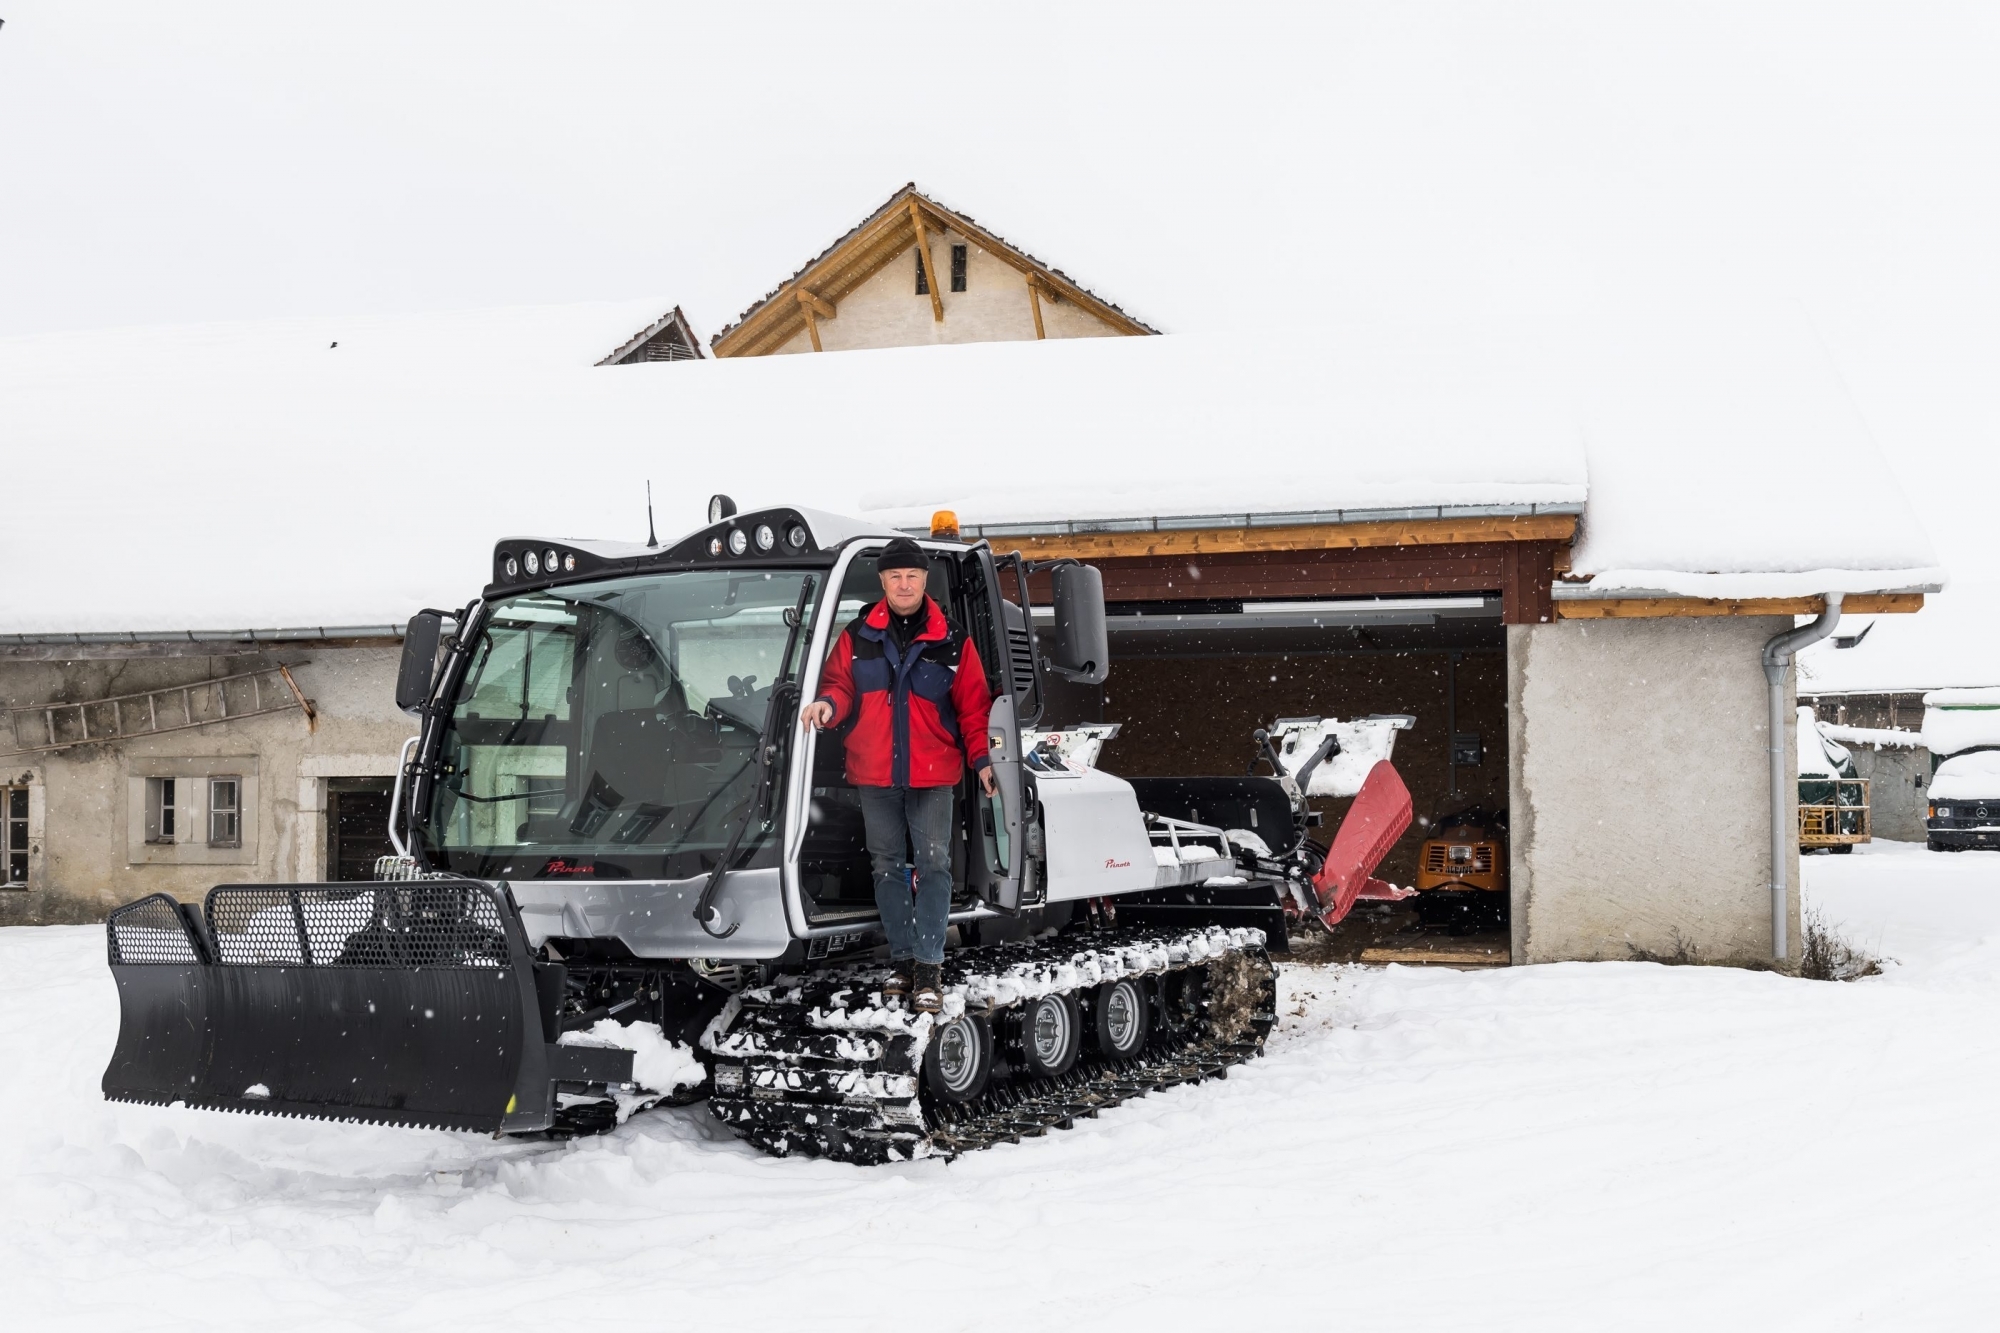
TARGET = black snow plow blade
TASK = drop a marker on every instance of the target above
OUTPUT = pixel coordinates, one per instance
(410, 1003)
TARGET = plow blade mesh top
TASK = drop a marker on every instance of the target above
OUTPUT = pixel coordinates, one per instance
(409, 1003)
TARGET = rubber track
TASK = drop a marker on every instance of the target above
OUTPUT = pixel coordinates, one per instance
(804, 1056)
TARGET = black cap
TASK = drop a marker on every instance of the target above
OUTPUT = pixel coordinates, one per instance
(902, 553)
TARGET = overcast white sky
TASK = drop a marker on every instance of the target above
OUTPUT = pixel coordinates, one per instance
(1262, 166)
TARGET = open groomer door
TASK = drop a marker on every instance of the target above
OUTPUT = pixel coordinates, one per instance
(1008, 824)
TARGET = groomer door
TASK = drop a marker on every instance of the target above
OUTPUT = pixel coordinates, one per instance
(1003, 631)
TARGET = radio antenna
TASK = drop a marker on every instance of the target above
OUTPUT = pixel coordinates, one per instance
(651, 540)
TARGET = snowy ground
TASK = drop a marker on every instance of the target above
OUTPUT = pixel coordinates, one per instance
(1578, 1146)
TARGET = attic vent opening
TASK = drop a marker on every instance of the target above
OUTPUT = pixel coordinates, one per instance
(923, 279)
(958, 268)
(663, 346)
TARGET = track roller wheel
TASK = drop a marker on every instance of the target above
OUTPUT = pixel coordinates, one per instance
(1051, 1035)
(1120, 1016)
(960, 1059)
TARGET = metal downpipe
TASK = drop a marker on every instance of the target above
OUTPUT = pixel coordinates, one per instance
(1777, 660)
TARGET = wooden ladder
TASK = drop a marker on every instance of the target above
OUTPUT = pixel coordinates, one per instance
(43, 728)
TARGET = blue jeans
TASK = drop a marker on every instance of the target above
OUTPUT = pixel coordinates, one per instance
(911, 826)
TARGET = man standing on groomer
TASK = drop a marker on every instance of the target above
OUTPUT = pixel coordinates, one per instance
(912, 682)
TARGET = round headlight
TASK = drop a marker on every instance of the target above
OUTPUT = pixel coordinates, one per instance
(795, 537)
(739, 541)
(715, 546)
(513, 567)
(532, 562)
(1944, 812)
(569, 562)
(766, 538)
(549, 560)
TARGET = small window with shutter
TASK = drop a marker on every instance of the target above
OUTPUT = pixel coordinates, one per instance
(14, 834)
(225, 811)
(162, 809)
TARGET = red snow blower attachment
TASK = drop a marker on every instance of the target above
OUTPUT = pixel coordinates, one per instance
(1380, 813)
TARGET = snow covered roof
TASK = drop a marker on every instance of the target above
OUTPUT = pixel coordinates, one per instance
(1985, 696)
(1953, 641)
(1725, 458)
(512, 337)
(260, 477)
(1956, 720)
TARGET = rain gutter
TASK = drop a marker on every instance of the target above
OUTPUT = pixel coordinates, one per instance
(311, 634)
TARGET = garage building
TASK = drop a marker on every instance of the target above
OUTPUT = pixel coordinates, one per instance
(1564, 556)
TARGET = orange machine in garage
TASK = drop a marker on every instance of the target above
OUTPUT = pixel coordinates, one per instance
(1462, 870)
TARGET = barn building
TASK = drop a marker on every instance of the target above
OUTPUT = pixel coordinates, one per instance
(1570, 591)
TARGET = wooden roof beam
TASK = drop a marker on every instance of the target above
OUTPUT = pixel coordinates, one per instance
(1300, 537)
(813, 303)
(932, 278)
(1660, 608)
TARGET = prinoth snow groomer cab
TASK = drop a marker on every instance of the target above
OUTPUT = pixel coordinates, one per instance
(629, 876)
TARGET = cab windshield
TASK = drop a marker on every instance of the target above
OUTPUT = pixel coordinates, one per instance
(609, 730)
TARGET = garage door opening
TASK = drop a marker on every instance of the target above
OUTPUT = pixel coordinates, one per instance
(1191, 682)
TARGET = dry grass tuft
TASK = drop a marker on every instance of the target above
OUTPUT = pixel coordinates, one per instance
(1682, 954)
(1828, 955)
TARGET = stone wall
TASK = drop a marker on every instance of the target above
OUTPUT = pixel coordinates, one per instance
(90, 849)
(1640, 790)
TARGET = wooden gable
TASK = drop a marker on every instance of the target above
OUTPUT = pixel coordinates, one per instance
(909, 224)
(668, 338)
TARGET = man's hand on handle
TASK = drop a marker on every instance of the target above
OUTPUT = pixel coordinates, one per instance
(986, 782)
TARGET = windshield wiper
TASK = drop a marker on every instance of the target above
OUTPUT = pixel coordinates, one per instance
(758, 808)
(512, 796)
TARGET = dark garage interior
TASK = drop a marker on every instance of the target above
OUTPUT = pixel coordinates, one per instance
(1190, 686)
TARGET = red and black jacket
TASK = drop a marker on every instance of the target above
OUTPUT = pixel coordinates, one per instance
(919, 717)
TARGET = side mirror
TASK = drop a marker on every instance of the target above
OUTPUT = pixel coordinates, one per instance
(1083, 645)
(420, 649)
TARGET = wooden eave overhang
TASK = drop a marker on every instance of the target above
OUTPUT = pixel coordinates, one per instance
(858, 256)
(1516, 553)
(1217, 534)
(1520, 553)
(1639, 607)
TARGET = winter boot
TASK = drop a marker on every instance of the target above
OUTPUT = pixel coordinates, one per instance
(897, 984)
(929, 997)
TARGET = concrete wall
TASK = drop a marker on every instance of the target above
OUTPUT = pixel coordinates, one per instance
(89, 850)
(1640, 790)
(886, 311)
(1898, 789)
